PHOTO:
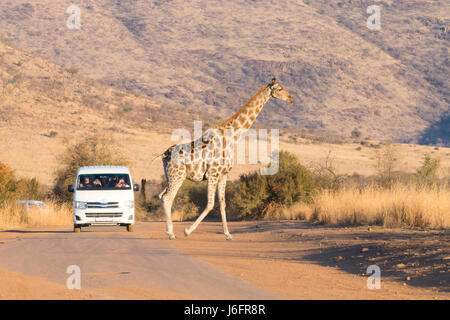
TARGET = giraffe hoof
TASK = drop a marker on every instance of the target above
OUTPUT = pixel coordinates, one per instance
(186, 232)
(171, 236)
(229, 237)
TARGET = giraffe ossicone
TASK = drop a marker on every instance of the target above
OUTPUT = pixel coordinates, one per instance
(210, 157)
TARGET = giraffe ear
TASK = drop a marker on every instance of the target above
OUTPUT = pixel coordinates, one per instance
(273, 84)
(207, 140)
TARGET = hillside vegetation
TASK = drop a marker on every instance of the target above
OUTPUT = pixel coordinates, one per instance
(211, 56)
(45, 107)
(36, 91)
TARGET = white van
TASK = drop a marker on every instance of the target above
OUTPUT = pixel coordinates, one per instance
(103, 195)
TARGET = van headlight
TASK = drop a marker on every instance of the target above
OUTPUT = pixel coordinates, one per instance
(128, 204)
(80, 205)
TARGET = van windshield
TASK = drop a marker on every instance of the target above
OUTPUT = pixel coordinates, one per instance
(103, 181)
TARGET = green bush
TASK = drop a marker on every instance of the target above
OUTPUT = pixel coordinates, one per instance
(250, 196)
(427, 175)
(89, 152)
(191, 194)
(256, 196)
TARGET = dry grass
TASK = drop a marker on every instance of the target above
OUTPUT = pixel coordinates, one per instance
(13, 216)
(401, 205)
(298, 211)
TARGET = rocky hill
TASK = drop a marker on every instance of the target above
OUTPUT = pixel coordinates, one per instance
(202, 57)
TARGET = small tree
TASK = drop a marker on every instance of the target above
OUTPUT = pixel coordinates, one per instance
(8, 183)
(427, 174)
(12, 188)
(89, 152)
(386, 160)
(325, 173)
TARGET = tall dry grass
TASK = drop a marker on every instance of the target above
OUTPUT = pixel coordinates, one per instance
(298, 211)
(400, 205)
(13, 216)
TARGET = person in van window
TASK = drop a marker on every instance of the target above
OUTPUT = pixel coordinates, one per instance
(122, 184)
(113, 182)
(97, 183)
(86, 184)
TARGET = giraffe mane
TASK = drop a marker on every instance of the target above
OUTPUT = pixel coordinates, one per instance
(252, 99)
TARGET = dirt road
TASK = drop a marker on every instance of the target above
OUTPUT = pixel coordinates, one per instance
(111, 258)
(267, 260)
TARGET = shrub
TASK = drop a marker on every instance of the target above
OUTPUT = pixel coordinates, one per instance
(190, 199)
(427, 175)
(89, 152)
(356, 133)
(8, 182)
(256, 196)
(251, 196)
(12, 188)
(30, 189)
(73, 71)
(386, 160)
(325, 174)
(15, 79)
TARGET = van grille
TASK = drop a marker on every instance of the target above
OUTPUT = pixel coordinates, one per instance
(102, 205)
(104, 214)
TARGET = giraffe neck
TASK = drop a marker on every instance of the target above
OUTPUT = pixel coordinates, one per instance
(242, 120)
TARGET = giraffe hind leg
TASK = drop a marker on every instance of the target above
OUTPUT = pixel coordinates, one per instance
(162, 193)
(221, 190)
(212, 185)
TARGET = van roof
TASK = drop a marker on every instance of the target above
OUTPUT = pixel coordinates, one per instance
(103, 169)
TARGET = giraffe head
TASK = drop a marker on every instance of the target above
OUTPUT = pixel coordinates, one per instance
(278, 92)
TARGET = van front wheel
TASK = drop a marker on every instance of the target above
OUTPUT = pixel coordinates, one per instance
(130, 227)
(76, 229)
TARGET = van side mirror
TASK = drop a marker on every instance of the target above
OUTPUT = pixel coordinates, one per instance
(70, 188)
(136, 187)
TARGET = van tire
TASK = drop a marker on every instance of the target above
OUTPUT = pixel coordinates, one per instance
(130, 227)
(76, 229)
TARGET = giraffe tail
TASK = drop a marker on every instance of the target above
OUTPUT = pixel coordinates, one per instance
(157, 158)
(162, 193)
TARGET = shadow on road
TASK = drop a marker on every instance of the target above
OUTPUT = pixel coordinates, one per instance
(36, 231)
(276, 226)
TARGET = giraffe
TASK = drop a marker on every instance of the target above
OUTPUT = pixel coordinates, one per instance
(210, 157)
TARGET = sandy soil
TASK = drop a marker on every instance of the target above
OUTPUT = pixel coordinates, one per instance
(297, 260)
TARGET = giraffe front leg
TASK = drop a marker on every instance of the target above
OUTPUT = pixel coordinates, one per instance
(212, 185)
(167, 200)
(167, 205)
(221, 189)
